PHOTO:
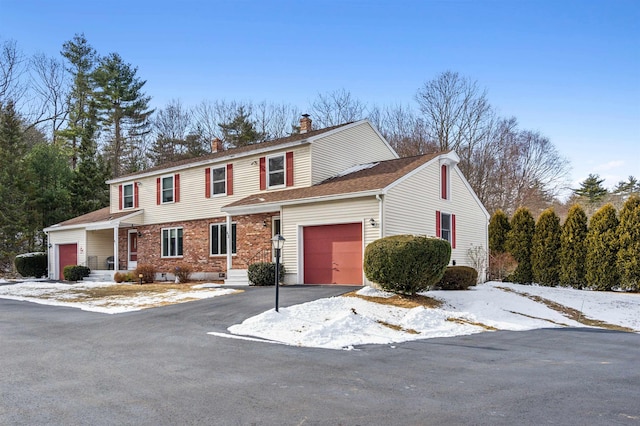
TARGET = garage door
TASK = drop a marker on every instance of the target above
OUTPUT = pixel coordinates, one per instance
(68, 255)
(333, 254)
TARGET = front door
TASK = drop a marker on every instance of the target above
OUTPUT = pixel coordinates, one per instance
(132, 256)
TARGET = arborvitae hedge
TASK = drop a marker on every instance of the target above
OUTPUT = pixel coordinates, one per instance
(406, 264)
(602, 249)
(498, 229)
(628, 260)
(573, 249)
(545, 249)
(519, 241)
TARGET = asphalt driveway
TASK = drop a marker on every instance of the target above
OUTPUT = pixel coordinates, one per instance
(63, 366)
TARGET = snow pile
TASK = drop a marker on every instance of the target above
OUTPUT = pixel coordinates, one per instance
(341, 322)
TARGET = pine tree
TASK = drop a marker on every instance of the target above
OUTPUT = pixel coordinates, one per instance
(123, 108)
(602, 249)
(628, 261)
(591, 189)
(13, 223)
(240, 131)
(545, 250)
(498, 230)
(519, 241)
(628, 188)
(573, 249)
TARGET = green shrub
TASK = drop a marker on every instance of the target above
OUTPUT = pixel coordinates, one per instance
(264, 273)
(628, 259)
(148, 273)
(458, 278)
(406, 264)
(573, 250)
(545, 249)
(602, 249)
(75, 272)
(32, 264)
(519, 240)
(498, 230)
(183, 272)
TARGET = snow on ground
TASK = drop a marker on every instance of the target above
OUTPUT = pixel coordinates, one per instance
(344, 321)
(60, 294)
(341, 322)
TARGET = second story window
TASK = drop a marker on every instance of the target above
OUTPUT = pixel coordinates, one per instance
(276, 170)
(167, 189)
(219, 180)
(127, 196)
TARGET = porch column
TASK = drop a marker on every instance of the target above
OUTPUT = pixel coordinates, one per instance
(229, 247)
(116, 262)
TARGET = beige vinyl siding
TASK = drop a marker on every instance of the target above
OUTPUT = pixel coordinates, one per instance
(100, 244)
(339, 151)
(410, 206)
(72, 236)
(194, 205)
(358, 210)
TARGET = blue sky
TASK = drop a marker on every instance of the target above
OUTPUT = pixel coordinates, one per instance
(569, 69)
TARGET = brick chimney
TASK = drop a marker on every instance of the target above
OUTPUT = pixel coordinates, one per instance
(305, 123)
(216, 145)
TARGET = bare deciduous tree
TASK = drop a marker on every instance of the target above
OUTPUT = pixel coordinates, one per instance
(51, 89)
(13, 65)
(335, 108)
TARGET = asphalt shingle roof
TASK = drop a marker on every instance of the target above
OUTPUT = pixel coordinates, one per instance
(102, 215)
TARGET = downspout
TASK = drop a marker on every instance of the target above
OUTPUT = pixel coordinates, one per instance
(50, 271)
(380, 218)
(229, 247)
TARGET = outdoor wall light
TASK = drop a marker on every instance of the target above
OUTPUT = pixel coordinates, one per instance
(139, 234)
(373, 222)
(264, 223)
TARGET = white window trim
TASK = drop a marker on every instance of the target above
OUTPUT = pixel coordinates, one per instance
(284, 171)
(173, 189)
(162, 243)
(219, 224)
(222, 194)
(450, 230)
(133, 196)
(448, 182)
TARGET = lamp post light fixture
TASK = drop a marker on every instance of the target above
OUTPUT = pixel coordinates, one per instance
(140, 276)
(277, 242)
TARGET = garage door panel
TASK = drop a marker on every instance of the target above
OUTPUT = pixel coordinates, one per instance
(333, 254)
(68, 255)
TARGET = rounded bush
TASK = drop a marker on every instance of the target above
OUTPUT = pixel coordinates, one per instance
(183, 272)
(406, 264)
(148, 273)
(264, 273)
(75, 272)
(458, 278)
(32, 264)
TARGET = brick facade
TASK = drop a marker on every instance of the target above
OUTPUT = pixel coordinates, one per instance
(253, 243)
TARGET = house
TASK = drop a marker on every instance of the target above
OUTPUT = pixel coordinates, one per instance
(329, 192)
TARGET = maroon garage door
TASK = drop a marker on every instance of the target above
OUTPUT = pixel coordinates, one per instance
(68, 255)
(333, 254)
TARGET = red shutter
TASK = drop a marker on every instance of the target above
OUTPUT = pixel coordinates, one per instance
(176, 184)
(120, 198)
(158, 191)
(290, 168)
(136, 197)
(453, 231)
(229, 179)
(443, 182)
(438, 223)
(207, 182)
(263, 173)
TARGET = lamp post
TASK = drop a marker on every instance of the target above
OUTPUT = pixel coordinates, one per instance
(278, 242)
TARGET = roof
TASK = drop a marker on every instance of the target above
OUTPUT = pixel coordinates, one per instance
(236, 151)
(366, 178)
(97, 216)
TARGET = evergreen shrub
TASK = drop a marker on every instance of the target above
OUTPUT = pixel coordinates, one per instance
(264, 273)
(519, 241)
(148, 273)
(32, 264)
(75, 272)
(602, 249)
(628, 259)
(498, 230)
(573, 249)
(458, 278)
(545, 249)
(406, 264)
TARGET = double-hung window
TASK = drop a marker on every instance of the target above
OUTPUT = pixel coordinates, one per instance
(172, 242)
(219, 239)
(127, 196)
(168, 189)
(275, 170)
(445, 226)
(219, 180)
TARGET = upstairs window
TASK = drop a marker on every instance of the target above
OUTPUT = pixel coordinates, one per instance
(275, 170)
(167, 189)
(219, 180)
(444, 182)
(127, 196)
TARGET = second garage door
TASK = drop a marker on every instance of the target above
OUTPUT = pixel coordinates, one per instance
(333, 254)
